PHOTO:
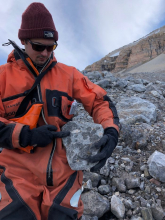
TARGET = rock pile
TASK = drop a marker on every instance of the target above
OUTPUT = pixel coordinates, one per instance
(131, 184)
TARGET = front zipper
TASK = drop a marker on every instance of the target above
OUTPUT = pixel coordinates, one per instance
(49, 173)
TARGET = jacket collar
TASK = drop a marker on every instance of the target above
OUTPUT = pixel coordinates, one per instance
(29, 66)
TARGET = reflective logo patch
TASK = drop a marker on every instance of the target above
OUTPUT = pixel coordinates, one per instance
(48, 34)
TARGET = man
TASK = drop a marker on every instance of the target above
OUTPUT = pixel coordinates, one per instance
(36, 181)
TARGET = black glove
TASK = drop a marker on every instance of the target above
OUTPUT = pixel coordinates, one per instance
(41, 136)
(107, 144)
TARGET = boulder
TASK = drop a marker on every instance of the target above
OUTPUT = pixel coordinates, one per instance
(117, 207)
(80, 144)
(156, 163)
(95, 204)
(135, 109)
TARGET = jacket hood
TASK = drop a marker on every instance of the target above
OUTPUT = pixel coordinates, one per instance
(11, 57)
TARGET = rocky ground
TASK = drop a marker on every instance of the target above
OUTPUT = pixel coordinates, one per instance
(130, 186)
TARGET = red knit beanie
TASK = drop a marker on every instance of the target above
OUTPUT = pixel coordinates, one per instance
(37, 22)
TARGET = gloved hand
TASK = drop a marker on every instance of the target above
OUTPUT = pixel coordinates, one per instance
(41, 136)
(107, 144)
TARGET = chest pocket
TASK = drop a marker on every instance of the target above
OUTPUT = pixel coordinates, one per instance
(12, 103)
(58, 104)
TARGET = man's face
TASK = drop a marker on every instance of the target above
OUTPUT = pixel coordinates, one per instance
(38, 57)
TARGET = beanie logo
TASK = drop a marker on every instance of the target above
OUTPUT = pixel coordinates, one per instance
(48, 34)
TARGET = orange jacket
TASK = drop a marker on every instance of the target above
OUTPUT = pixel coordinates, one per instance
(59, 87)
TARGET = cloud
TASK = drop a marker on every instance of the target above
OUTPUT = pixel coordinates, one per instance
(113, 24)
(88, 30)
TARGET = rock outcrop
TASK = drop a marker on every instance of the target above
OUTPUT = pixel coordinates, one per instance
(133, 54)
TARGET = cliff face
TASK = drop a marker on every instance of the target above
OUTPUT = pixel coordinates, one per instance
(133, 54)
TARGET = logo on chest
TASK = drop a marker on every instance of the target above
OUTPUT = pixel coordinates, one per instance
(13, 105)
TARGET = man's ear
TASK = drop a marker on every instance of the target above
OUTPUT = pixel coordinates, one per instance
(23, 42)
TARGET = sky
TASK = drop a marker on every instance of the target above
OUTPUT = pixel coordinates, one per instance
(88, 29)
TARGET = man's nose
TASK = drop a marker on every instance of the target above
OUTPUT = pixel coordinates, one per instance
(44, 52)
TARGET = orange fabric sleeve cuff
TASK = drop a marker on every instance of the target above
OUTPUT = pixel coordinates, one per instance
(16, 134)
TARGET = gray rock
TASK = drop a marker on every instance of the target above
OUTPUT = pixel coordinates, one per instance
(111, 160)
(94, 177)
(119, 183)
(104, 83)
(147, 189)
(94, 218)
(86, 217)
(142, 186)
(136, 218)
(156, 163)
(88, 185)
(135, 205)
(117, 207)
(137, 88)
(135, 109)
(145, 82)
(147, 214)
(150, 87)
(94, 75)
(143, 202)
(105, 169)
(103, 182)
(146, 173)
(106, 73)
(121, 84)
(94, 204)
(143, 167)
(157, 212)
(111, 78)
(80, 144)
(129, 213)
(136, 211)
(131, 191)
(104, 189)
(129, 168)
(128, 203)
(137, 81)
(132, 182)
(126, 159)
(163, 144)
(156, 94)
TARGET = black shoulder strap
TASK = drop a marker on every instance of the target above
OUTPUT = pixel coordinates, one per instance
(25, 102)
(40, 76)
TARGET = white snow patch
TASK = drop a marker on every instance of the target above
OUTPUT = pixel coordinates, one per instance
(115, 54)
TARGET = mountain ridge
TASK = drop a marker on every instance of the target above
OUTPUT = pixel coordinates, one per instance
(133, 54)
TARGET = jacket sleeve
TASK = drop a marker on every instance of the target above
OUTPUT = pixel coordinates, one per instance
(95, 101)
(9, 131)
